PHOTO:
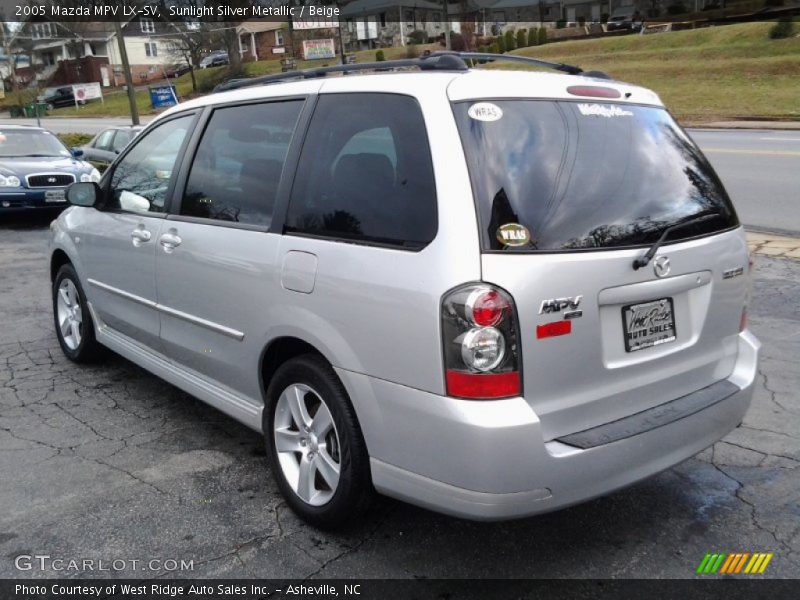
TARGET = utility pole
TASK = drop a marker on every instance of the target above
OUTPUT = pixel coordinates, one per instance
(126, 71)
(447, 45)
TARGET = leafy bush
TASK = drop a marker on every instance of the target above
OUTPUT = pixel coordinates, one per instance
(604, 18)
(494, 48)
(457, 42)
(501, 44)
(418, 37)
(412, 51)
(207, 83)
(522, 38)
(380, 56)
(75, 139)
(511, 41)
(783, 29)
(533, 36)
(542, 35)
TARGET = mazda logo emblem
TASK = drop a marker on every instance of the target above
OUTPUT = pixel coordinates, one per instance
(661, 266)
(51, 180)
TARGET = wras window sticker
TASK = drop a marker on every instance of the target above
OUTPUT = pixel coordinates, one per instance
(603, 110)
(513, 234)
(485, 111)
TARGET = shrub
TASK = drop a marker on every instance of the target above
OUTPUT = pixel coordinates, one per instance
(773, 3)
(380, 56)
(522, 38)
(457, 42)
(75, 139)
(418, 37)
(412, 51)
(604, 18)
(501, 44)
(511, 41)
(784, 28)
(542, 35)
(533, 36)
(494, 48)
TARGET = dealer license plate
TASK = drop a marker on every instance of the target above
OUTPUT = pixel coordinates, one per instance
(648, 324)
(55, 196)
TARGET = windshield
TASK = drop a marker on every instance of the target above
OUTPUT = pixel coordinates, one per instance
(31, 143)
(581, 175)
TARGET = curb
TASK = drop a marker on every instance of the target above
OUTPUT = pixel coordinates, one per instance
(776, 246)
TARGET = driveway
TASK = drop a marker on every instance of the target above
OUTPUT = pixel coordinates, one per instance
(108, 462)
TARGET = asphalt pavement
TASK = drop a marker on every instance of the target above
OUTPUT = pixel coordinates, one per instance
(761, 171)
(108, 462)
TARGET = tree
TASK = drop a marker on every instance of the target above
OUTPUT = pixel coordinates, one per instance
(190, 42)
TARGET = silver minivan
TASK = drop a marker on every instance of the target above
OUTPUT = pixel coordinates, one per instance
(489, 293)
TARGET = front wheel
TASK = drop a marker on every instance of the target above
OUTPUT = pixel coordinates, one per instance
(73, 321)
(314, 443)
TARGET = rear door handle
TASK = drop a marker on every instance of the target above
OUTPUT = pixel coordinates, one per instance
(170, 240)
(140, 235)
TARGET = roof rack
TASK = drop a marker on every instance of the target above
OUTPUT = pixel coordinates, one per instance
(436, 61)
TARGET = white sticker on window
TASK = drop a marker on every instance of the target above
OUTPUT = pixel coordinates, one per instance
(603, 110)
(485, 111)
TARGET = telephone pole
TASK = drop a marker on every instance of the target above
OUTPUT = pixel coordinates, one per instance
(126, 71)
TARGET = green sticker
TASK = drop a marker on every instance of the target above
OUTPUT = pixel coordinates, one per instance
(513, 234)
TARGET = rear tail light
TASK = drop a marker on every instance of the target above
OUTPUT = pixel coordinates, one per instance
(481, 353)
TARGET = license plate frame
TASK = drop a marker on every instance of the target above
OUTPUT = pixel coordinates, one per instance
(55, 196)
(648, 324)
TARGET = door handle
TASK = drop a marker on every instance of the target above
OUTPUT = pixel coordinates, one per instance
(140, 235)
(170, 240)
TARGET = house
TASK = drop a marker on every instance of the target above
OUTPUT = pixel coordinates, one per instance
(263, 40)
(382, 23)
(85, 52)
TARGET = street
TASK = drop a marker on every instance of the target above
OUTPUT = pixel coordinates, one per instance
(108, 462)
(758, 167)
(761, 171)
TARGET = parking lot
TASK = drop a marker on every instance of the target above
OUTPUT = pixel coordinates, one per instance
(107, 462)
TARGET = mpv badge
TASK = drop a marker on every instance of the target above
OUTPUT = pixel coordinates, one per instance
(661, 266)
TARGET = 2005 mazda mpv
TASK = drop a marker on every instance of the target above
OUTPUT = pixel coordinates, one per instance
(490, 293)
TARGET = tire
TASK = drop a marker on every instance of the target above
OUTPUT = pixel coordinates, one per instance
(72, 319)
(305, 466)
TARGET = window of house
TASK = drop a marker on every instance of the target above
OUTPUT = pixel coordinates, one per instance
(279, 37)
(141, 179)
(148, 25)
(44, 30)
(151, 48)
(367, 173)
(383, 19)
(436, 17)
(239, 161)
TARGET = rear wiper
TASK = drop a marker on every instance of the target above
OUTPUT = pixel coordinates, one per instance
(643, 261)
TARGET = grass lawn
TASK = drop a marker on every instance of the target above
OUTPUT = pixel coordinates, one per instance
(728, 72)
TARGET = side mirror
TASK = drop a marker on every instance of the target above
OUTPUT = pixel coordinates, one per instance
(83, 194)
(76, 152)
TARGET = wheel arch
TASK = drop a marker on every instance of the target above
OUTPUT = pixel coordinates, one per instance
(58, 259)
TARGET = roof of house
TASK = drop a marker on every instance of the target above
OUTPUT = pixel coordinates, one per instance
(257, 26)
(371, 7)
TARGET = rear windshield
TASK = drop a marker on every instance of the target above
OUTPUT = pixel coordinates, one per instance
(576, 175)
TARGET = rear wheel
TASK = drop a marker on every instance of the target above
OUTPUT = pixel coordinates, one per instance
(73, 321)
(314, 443)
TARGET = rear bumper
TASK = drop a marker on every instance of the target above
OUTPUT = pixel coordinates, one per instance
(489, 460)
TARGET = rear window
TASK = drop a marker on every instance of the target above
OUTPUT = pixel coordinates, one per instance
(580, 175)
